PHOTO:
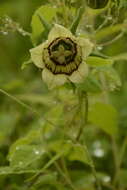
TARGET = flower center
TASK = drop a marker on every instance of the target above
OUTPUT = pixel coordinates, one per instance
(62, 51)
(62, 56)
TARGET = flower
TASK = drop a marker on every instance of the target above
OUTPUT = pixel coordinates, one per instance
(62, 57)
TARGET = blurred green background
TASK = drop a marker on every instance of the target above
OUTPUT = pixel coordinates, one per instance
(21, 127)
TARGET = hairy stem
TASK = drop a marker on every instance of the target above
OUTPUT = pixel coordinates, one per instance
(85, 116)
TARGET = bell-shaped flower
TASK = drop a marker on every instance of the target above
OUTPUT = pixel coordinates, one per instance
(62, 57)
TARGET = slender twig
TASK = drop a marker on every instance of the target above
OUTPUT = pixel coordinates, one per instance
(120, 159)
(115, 155)
(54, 162)
(92, 165)
(122, 56)
(66, 173)
(85, 120)
(113, 40)
(105, 21)
(25, 106)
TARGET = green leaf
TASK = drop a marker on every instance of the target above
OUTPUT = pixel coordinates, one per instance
(123, 178)
(46, 12)
(55, 114)
(79, 153)
(91, 84)
(46, 179)
(46, 25)
(7, 126)
(58, 145)
(25, 64)
(33, 137)
(95, 61)
(80, 176)
(49, 163)
(122, 3)
(104, 116)
(110, 75)
(113, 78)
(77, 19)
(25, 155)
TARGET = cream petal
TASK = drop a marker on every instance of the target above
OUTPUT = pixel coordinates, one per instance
(59, 31)
(36, 55)
(79, 75)
(86, 45)
(53, 80)
(83, 69)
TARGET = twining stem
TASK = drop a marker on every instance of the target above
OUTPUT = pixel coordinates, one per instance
(120, 35)
(66, 173)
(120, 159)
(100, 35)
(26, 106)
(84, 118)
(105, 20)
(115, 156)
(54, 162)
(98, 185)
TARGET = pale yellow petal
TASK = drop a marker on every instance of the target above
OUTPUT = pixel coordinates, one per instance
(79, 75)
(59, 80)
(83, 69)
(59, 31)
(53, 80)
(86, 46)
(36, 55)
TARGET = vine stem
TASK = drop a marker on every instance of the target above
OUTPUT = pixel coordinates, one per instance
(84, 118)
(120, 159)
(120, 35)
(28, 107)
(98, 185)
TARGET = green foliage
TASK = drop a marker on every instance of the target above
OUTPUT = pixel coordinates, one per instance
(73, 137)
(39, 29)
(98, 61)
(97, 4)
(105, 117)
(79, 153)
(90, 84)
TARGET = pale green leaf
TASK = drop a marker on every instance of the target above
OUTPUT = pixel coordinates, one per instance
(25, 155)
(79, 153)
(98, 61)
(91, 84)
(58, 145)
(105, 117)
(48, 12)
